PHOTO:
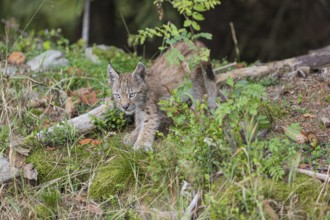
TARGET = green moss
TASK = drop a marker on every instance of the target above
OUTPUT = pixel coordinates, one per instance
(50, 203)
(60, 162)
(231, 202)
(116, 175)
(46, 163)
(272, 110)
(4, 138)
(305, 188)
(327, 99)
(44, 212)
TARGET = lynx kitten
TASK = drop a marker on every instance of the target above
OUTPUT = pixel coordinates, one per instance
(139, 92)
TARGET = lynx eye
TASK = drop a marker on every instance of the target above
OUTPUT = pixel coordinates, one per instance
(117, 96)
(132, 95)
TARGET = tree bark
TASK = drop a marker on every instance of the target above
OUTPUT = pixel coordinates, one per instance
(86, 19)
(315, 59)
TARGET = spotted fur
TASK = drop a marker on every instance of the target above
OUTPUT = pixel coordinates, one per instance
(139, 92)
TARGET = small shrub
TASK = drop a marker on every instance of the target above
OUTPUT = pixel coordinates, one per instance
(114, 120)
(59, 135)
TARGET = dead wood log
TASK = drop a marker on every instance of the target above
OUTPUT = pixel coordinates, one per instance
(193, 204)
(320, 176)
(314, 59)
(83, 123)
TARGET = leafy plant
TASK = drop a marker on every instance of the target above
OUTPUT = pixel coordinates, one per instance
(192, 11)
(59, 135)
(114, 120)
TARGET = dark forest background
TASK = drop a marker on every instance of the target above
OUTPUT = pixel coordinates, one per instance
(266, 29)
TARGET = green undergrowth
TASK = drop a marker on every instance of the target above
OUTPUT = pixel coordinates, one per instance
(262, 197)
(69, 159)
(117, 174)
(238, 173)
(254, 172)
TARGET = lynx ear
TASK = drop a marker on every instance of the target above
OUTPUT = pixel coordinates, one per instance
(112, 75)
(140, 71)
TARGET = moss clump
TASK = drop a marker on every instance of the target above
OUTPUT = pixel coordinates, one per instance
(44, 212)
(46, 162)
(272, 110)
(60, 162)
(51, 200)
(327, 99)
(305, 191)
(116, 175)
(4, 138)
(305, 188)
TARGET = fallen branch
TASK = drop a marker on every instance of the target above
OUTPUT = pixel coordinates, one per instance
(83, 123)
(320, 176)
(315, 59)
(193, 204)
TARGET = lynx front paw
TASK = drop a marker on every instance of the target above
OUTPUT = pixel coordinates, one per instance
(129, 139)
(146, 146)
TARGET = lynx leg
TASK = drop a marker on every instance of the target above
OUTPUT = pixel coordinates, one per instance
(149, 127)
(131, 138)
(211, 87)
(198, 84)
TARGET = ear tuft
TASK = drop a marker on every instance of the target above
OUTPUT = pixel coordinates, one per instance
(112, 75)
(140, 71)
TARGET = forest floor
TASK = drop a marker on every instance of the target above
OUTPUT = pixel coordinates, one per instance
(96, 176)
(306, 101)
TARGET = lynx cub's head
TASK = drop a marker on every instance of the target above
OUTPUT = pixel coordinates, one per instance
(129, 90)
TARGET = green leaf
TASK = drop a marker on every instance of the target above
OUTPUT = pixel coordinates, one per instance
(199, 7)
(207, 36)
(230, 82)
(196, 26)
(198, 16)
(187, 23)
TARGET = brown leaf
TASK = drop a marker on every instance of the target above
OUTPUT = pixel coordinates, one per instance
(309, 115)
(50, 148)
(70, 107)
(37, 103)
(89, 141)
(87, 95)
(303, 166)
(95, 209)
(89, 98)
(16, 57)
(29, 172)
(313, 140)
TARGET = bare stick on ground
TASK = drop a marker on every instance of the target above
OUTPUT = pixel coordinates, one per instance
(83, 123)
(315, 59)
(320, 176)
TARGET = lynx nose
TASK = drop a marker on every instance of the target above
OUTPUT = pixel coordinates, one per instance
(125, 107)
